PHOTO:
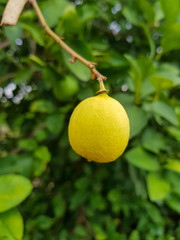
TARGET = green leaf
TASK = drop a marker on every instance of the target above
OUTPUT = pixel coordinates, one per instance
(173, 164)
(170, 10)
(134, 235)
(35, 31)
(42, 106)
(142, 159)
(158, 188)
(173, 202)
(44, 222)
(169, 71)
(174, 132)
(23, 75)
(138, 120)
(70, 18)
(27, 144)
(79, 69)
(55, 123)
(136, 75)
(165, 111)
(114, 197)
(59, 206)
(13, 190)
(147, 11)
(43, 158)
(132, 16)
(158, 142)
(161, 82)
(14, 32)
(87, 12)
(53, 10)
(171, 37)
(50, 77)
(43, 154)
(11, 225)
(20, 164)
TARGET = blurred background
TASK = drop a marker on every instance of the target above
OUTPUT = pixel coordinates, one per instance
(136, 45)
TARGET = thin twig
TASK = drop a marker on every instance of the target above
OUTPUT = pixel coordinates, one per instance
(4, 44)
(75, 56)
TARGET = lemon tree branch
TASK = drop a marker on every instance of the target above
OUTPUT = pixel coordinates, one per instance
(75, 56)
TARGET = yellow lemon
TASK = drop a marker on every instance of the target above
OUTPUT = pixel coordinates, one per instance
(99, 129)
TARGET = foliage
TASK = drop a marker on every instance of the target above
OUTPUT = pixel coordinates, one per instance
(135, 44)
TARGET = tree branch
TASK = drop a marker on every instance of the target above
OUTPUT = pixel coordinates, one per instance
(75, 56)
(10, 17)
(12, 11)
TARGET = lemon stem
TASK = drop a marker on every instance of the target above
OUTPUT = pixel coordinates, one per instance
(102, 88)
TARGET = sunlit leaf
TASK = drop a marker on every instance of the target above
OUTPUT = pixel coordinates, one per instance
(13, 190)
(142, 159)
(158, 188)
(11, 225)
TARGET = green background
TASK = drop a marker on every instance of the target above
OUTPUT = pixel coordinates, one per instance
(136, 45)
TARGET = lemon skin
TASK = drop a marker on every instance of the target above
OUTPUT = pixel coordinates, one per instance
(99, 129)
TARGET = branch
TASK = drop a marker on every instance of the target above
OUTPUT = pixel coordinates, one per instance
(10, 16)
(4, 44)
(12, 11)
(75, 56)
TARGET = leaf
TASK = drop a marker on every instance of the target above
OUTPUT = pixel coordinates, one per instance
(165, 111)
(13, 190)
(158, 142)
(43, 158)
(43, 153)
(70, 18)
(42, 106)
(142, 159)
(50, 77)
(55, 123)
(59, 206)
(132, 16)
(27, 144)
(44, 222)
(11, 225)
(173, 202)
(24, 75)
(53, 10)
(136, 75)
(173, 164)
(35, 31)
(171, 37)
(161, 82)
(170, 10)
(158, 188)
(20, 164)
(147, 11)
(138, 120)
(170, 72)
(150, 40)
(134, 235)
(14, 32)
(87, 12)
(79, 69)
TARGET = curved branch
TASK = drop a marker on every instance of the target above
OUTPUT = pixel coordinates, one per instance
(75, 56)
